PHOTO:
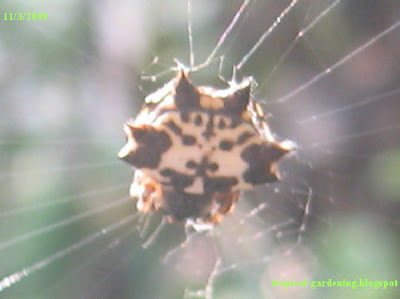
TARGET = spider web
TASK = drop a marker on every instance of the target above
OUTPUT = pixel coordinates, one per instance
(327, 73)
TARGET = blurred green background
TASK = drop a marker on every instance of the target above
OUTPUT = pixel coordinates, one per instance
(68, 83)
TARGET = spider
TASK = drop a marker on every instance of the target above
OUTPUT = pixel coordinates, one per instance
(196, 148)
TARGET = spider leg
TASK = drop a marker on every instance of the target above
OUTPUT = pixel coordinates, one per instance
(226, 202)
(146, 191)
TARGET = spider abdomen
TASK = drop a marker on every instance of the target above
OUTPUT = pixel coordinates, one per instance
(197, 148)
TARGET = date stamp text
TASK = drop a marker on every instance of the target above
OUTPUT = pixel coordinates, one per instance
(27, 16)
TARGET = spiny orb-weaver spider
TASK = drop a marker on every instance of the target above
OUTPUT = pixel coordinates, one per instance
(196, 148)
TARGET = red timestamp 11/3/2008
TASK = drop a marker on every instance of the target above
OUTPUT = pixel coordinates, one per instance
(27, 16)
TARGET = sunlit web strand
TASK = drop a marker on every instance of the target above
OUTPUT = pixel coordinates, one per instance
(69, 220)
(266, 34)
(12, 279)
(270, 229)
(63, 200)
(155, 233)
(223, 37)
(236, 266)
(337, 64)
(92, 58)
(61, 142)
(70, 46)
(206, 292)
(354, 136)
(44, 171)
(123, 261)
(299, 35)
(253, 212)
(264, 206)
(344, 176)
(117, 241)
(364, 102)
(190, 33)
(356, 156)
(182, 245)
